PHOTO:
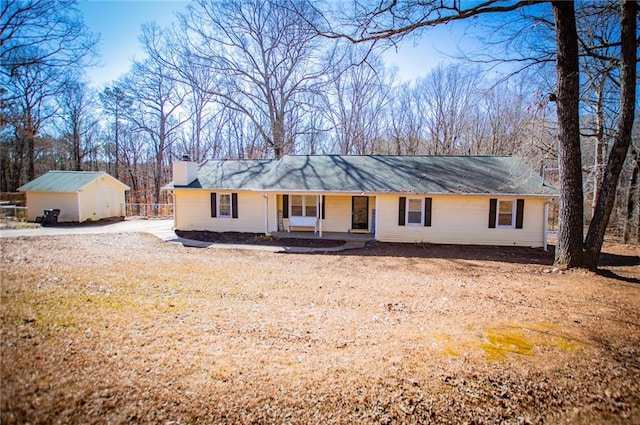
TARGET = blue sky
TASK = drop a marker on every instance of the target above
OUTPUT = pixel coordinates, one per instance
(119, 21)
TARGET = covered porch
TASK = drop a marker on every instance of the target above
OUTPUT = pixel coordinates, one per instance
(329, 216)
(337, 236)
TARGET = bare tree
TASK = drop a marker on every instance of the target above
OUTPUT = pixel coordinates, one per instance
(384, 20)
(155, 111)
(264, 59)
(355, 102)
(134, 154)
(622, 139)
(39, 42)
(53, 31)
(508, 118)
(448, 95)
(77, 121)
(116, 102)
(632, 216)
(404, 124)
(32, 89)
(171, 49)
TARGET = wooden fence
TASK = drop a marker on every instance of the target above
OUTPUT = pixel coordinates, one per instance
(13, 212)
(150, 210)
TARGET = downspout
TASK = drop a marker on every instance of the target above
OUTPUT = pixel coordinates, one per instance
(545, 225)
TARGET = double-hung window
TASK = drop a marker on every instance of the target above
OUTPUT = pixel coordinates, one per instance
(304, 205)
(224, 205)
(506, 213)
(414, 211)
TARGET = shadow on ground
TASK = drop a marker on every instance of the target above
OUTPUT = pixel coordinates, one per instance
(507, 254)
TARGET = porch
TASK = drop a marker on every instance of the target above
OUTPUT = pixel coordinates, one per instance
(338, 236)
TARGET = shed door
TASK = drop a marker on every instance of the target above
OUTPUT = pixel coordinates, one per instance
(108, 204)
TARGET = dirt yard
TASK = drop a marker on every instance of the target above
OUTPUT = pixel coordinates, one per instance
(128, 329)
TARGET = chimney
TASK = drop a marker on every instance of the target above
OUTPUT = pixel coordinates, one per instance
(184, 172)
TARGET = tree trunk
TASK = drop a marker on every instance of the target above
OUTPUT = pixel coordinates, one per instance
(31, 155)
(632, 203)
(77, 149)
(622, 140)
(570, 232)
(117, 147)
(599, 153)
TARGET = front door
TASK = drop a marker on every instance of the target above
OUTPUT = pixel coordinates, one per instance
(360, 213)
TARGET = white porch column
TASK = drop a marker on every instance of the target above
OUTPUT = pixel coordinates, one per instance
(320, 215)
(266, 213)
(375, 220)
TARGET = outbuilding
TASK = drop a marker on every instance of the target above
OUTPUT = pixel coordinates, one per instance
(79, 195)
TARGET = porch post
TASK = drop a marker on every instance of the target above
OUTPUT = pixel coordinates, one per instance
(319, 214)
(375, 220)
(266, 213)
(545, 225)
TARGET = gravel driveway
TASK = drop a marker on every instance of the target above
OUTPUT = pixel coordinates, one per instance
(162, 228)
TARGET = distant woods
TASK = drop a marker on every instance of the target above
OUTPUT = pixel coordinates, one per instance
(251, 79)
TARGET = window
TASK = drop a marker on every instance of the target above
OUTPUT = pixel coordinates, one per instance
(506, 213)
(310, 208)
(304, 205)
(414, 211)
(296, 205)
(224, 205)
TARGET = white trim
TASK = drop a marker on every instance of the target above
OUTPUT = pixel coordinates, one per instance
(406, 212)
(513, 214)
(361, 193)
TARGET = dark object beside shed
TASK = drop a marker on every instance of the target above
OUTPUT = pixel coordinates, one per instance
(50, 217)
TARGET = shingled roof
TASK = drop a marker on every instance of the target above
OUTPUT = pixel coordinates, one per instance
(374, 174)
(64, 181)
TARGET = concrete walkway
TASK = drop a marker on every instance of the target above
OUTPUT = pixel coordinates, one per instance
(163, 229)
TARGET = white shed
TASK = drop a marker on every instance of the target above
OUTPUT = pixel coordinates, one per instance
(79, 195)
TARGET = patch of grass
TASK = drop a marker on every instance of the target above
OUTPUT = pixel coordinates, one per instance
(514, 338)
(500, 342)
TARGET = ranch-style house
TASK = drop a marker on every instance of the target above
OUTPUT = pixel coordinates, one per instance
(477, 200)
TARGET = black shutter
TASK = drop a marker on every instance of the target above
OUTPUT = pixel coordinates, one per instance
(493, 207)
(214, 208)
(285, 206)
(322, 210)
(234, 205)
(519, 213)
(401, 210)
(427, 212)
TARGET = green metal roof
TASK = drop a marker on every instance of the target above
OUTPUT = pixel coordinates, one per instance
(64, 181)
(374, 174)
